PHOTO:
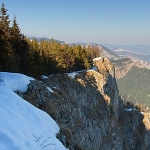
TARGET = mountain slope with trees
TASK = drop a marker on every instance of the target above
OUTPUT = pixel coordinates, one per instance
(135, 86)
(33, 57)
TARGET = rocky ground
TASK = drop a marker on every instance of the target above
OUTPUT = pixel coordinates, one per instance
(90, 112)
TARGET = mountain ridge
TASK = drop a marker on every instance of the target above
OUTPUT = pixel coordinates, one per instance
(89, 111)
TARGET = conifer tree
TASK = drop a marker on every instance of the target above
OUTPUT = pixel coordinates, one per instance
(4, 21)
(15, 31)
(2, 51)
(7, 54)
(15, 40)
(20, 46)
(25, 52)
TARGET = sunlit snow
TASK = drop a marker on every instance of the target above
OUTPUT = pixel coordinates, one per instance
(23, 126)
(97, 58)
(72, 74)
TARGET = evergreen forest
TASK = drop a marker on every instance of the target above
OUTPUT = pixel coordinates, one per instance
(135, 86)
(34, 58)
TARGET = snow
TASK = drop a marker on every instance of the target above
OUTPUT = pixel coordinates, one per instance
(50, 89)
(72, 74)
(15, 82)
(94, 68)
(56, 87)
(130, 109)
(98, 58)
(23, 126)
(44, 77)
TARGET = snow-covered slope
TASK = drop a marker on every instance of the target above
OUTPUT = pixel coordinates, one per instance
(23, 126)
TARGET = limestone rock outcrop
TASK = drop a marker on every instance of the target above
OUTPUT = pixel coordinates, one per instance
(89, 111)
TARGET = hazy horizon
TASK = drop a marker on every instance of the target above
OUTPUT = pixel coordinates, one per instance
(99, 21)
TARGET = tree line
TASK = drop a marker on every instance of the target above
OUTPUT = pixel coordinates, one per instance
(31, 57)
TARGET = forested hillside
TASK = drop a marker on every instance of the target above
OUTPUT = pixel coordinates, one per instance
(34, 58)
(135, 86)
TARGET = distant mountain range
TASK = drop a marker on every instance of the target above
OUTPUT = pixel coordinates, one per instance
(113, 51)
(135, 52)
(139, 49)
(44, 38)
(141, 52)
(138, 52)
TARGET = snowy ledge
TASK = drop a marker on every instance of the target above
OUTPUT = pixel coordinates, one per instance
(44, 77)
(72, 74)
(23, 126)
(50, 89)
(98, 58)
(15, 81)
(130, 109)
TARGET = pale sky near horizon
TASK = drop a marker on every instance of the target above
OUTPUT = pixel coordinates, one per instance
(99, 21)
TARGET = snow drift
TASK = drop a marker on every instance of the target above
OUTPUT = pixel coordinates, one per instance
(23, 126)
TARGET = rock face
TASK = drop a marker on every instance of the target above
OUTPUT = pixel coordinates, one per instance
(89, 111)
(124, 65)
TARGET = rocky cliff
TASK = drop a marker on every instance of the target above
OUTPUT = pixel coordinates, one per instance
(89, 111)
(124, 65)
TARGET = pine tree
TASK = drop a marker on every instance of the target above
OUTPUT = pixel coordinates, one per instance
(2, 51)
(15, 31)
(7, 54)
(15, 41)
(20, 46)
(24, 54)
(4, 21)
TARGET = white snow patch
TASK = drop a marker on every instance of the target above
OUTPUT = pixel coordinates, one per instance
(130, 109)
(56, 87)
(94, 68)
(14, 81)
(44, 77)
(98, 58)
(50, 89)
(72, 74)
(23, 126)
(121, 50)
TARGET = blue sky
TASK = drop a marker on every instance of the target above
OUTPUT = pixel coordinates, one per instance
(100, 21)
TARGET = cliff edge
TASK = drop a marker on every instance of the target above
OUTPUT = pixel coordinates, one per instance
(89, 111)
